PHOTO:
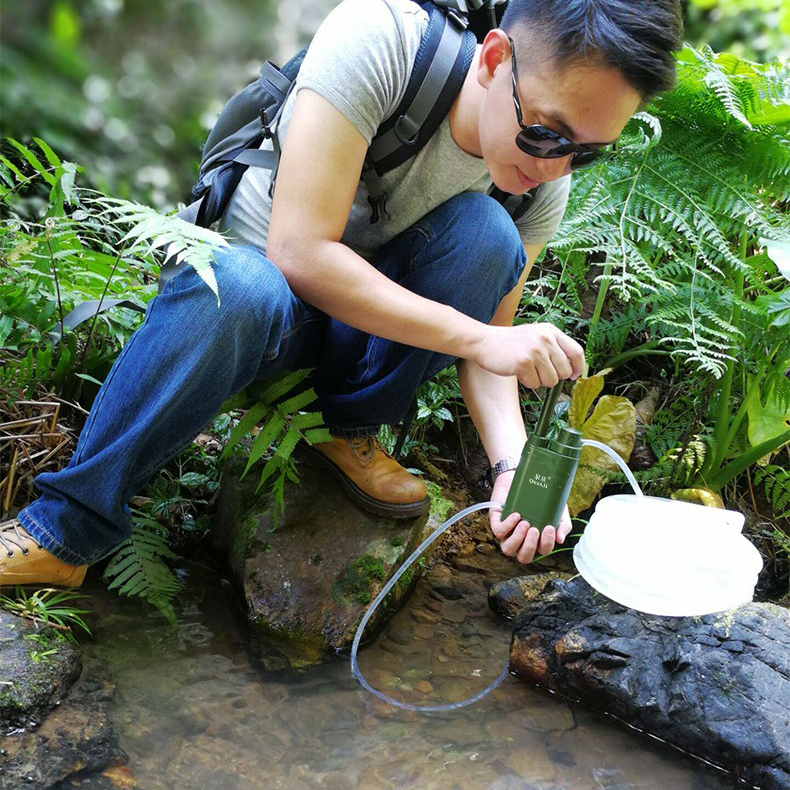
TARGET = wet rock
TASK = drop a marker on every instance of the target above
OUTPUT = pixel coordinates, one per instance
(75, 740)
(32, 683)
(716, 686)
(425, 616)
(423, 631)
(472, 564)
(506, 598)
(308, 580)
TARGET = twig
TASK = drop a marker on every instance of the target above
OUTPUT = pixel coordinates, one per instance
(10, 486)
(69, 403)
(4, 426)
(48, 623)
(98, 307)
(57, 282)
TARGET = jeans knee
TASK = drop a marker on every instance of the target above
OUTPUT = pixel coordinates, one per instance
(252, 291)
(485, 237)
(486, 227)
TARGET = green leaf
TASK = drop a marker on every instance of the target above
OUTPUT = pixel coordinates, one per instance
(264, 439)
(51, 156)
(245, 424)
(288, 443)
(308, 419)
(779, 253)
(281, 385)
(193, 479)
(768, 419)
(297, 402)
(13, 168)
(33, 161)
(67, 180)
(318, 435)
(274, 464)
(89, 378)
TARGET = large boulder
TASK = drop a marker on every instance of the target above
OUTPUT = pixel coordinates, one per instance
(54, 714)
(308, 578)
(716, 686)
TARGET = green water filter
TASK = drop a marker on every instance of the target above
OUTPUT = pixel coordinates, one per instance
(544, 475)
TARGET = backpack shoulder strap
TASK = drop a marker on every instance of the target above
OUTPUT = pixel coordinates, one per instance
(443, 59)
(440, 67)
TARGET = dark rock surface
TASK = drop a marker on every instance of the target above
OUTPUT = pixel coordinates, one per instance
(716, 686)
(53, 713)
(308, 582)
(508, 597)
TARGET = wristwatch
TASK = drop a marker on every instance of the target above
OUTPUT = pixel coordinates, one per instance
(505, 465)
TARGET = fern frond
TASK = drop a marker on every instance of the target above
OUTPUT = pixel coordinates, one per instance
(23, 374)
(775, 481)
(138, 566)
(151, 230)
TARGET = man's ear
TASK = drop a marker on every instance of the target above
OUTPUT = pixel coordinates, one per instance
(494, 52)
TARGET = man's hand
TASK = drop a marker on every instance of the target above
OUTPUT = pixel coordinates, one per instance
(516, 537)
(538, 355)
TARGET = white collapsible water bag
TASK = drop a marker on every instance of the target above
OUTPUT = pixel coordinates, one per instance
(665, 557)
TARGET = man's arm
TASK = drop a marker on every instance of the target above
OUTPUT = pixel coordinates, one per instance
(493, 404)
(319, 171)
(317, 179)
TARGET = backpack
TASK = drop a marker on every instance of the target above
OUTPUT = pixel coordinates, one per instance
(252, 115)
(443, 59)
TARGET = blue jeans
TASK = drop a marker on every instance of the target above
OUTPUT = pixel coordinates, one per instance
(190, 355)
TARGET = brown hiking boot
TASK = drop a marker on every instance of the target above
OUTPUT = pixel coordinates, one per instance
(23, 560)
(372, 478)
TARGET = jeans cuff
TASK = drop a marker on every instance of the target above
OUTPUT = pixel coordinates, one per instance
(357, 432)
(39, 533)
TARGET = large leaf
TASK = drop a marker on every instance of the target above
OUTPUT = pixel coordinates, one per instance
(613, 422)
(585, 390)
(767, 420)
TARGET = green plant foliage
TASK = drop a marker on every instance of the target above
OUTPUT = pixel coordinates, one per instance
(151, 230)
(48, 606)
(61, 245)
(138, 566)
(775, 481)
(359, 576)
(440, 505)
(282, 424)
(709, 161)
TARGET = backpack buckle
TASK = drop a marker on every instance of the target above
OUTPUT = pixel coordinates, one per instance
(406, 130)
(378, 209)
(265, 125)
(461, 22)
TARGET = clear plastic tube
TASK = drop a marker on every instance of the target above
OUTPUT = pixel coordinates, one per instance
(620, 462)
(355, 670)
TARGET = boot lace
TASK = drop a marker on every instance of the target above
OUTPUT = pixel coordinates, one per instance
(10, 535)
(365, 446)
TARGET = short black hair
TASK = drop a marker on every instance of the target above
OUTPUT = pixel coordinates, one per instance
(636, 36)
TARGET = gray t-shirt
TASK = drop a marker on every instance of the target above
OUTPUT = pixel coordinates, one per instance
(360, 61)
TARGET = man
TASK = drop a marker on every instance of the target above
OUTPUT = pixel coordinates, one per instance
(375, 308)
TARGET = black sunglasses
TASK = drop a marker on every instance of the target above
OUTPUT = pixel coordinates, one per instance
(538, 140)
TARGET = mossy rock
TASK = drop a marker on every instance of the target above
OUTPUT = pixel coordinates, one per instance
(308, 580)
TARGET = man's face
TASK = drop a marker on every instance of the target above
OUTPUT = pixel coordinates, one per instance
(586, 102)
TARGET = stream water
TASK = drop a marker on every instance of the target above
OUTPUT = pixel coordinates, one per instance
(194, 710)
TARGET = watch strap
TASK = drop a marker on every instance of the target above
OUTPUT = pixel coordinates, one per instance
(505, 465)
